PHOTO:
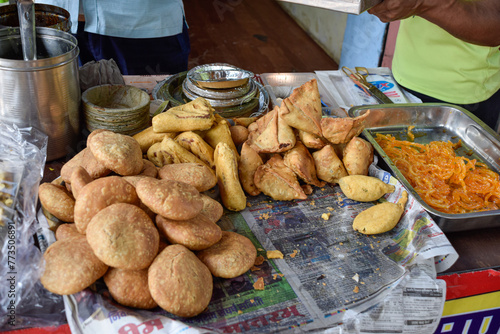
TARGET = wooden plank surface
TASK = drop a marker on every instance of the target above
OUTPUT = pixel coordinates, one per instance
(258, 36)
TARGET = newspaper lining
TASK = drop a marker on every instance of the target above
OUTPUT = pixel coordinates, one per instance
(331, 279)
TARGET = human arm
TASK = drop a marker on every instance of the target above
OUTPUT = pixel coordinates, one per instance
(474, 21)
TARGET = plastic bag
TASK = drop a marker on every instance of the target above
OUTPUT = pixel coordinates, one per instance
(24, 303)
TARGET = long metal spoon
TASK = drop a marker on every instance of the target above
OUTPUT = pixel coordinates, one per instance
(26, 14)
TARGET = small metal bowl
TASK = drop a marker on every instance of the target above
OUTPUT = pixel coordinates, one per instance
(219, 76)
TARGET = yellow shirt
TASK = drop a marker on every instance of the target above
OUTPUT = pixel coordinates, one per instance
(429, 60)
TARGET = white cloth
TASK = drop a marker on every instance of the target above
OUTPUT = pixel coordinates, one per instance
(126, 18)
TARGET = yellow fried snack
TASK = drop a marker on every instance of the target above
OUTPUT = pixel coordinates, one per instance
(148, 137)
(196, 145)
(178, 153)
(302, 109)
(363, 188)
(239, 133)
(244, 121)
(329, 167)
(278, 181)
(220, 133)
(341, 130)
(249, 162)
(358, 155)
(195, 115)
(158, 157)
(272, 134)
(301, 162)
(311, 140)
(380, 218)
(226, 167)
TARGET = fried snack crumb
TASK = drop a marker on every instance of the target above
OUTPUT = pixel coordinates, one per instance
(240, 312)
(292, 255)
(356, 289)
(264, 216)
(254, 268)
(275, 276)
(259, 284)
(259, 260)
(274, 254)
(326, 216)
(330, 208)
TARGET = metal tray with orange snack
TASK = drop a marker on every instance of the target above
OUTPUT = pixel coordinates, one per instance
(436, 122)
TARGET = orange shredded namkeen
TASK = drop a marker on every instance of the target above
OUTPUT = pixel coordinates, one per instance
(445, 181)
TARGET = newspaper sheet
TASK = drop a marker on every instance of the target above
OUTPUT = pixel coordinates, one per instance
(344, 93)
(330, 280)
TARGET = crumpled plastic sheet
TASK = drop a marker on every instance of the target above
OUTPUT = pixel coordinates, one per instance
(24, 302)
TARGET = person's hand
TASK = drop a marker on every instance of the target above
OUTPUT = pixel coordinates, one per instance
(393, 10)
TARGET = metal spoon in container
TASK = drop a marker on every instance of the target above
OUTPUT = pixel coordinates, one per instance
(26, 14)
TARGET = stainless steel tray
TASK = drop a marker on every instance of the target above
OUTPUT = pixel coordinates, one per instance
(436, 122)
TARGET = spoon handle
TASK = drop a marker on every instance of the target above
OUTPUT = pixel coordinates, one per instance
(26, 14)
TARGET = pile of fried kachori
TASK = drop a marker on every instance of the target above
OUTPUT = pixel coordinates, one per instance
(136, 209)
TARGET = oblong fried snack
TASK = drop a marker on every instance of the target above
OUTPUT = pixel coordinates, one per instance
(148, 137)
(301, 162)
(278, 181)
(363, 188)
(358, 155)
(239, 134)
(329, 167)
(159, 157)
(341, 130)
(196, 145)
(226, 167)
(178, 153)
(380, 218)
(249, 162)
(220, 133)
(195, 115)
(302, 109)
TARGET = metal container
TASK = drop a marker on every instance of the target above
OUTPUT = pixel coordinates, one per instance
(43, 93)
(45, 16)
(434, 122)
